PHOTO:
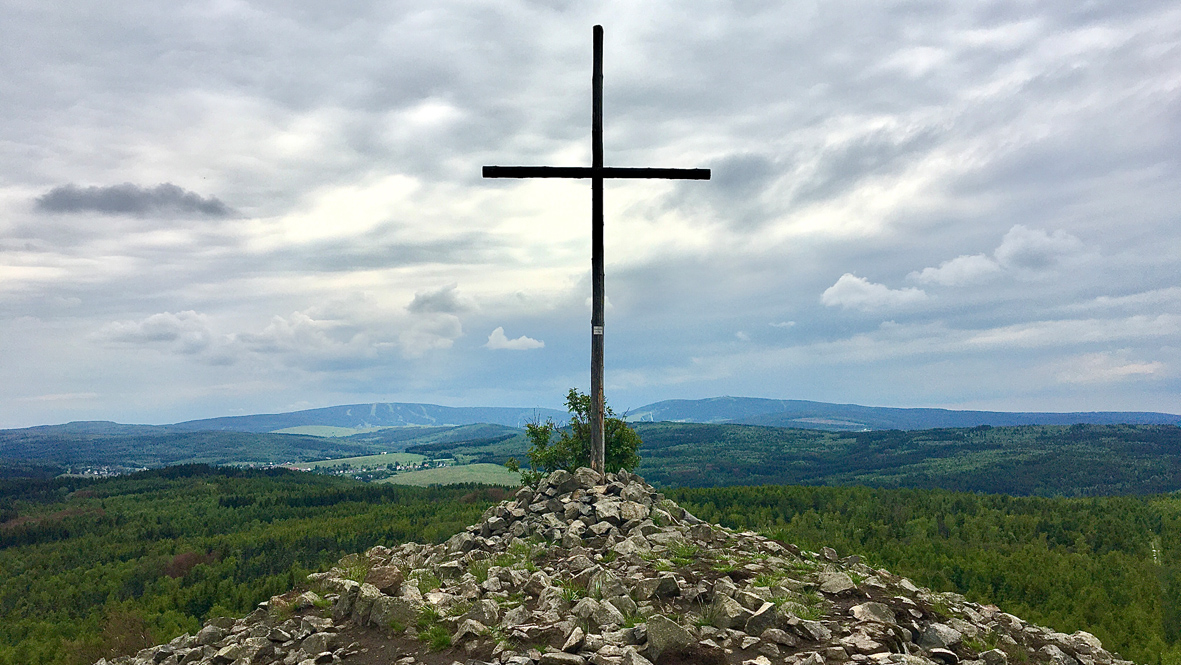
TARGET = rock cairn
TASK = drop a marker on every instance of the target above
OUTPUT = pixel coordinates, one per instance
(587, 570)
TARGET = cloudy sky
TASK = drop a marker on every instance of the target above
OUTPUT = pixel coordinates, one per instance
(239, 206)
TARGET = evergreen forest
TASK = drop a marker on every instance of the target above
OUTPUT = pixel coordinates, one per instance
(99, 568)
(92, 567)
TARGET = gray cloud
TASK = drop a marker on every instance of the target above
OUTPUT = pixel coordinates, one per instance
(1018, 162)
(130, 199)
(445, 300)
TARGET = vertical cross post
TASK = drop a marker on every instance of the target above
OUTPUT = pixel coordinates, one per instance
(597, 173)
(598, 444)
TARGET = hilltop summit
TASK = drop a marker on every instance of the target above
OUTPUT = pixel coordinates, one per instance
(583, 569)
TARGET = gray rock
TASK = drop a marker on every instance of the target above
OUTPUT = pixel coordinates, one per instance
(387, 579)
(664, 586)
(624, 604)
(210, 635)
(665, 635)
(585, 607)
(537, 583)
(878, 612)
(469, 629)
(859, 642)
(562, 482)
(631, 510)
(485, 611)
(607, 510)
(574, 640)
(362, 606)
(727, 613)
(836, 654)
(1056, 656)
(631, 657)
(561, 658)
(227, 654)
(579, 563)
(587, 477)
(461, 542)
(940, 636)
(343, 608)
(318, 642)
(606, 584)
(836, 583)
(761, 620)
(606, 614)
(749, 600)
(945, 656)
(995, 657)
(515, 617)
(778, 636)
(814, 630)
(665, 538)
(1084, 643)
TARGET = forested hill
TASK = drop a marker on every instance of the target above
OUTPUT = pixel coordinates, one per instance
(1075, 460)
(111, 444)
(822, 415)
(1079, 460)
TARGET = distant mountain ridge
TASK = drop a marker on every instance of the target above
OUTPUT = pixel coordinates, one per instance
(735, 410)
(845, 417)
(380, 414)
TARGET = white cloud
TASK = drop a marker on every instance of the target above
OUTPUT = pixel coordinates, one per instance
(1034, 249)
(497, 340)
(1106, 368)
(185, 332)
(742, 336)
(782, 324)
(434, 333)
(853, 292)
(1022, 249)
(961, 270)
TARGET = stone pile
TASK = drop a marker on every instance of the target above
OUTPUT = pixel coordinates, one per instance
(587, 570)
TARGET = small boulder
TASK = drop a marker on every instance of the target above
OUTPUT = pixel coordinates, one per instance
(1056, 656)
(761, 620)
(727, 613)
(664, 586)
(574, 641)
(836, 583)
(469, 629)
(666, 635)
(878, 612)
(814, 630)
(485, 611)
(387, 579)
(210, 635)
(940, 636)
(561, 658)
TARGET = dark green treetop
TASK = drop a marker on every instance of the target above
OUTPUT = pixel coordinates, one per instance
(552, 447)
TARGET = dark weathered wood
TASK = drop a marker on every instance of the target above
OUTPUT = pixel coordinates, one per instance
(609, 172)
(598, 444)
(597, 174)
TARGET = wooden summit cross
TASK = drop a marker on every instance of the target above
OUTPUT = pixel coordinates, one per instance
(597, 173)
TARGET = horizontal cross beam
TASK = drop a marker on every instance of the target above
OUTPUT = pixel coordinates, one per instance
(591, 172)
